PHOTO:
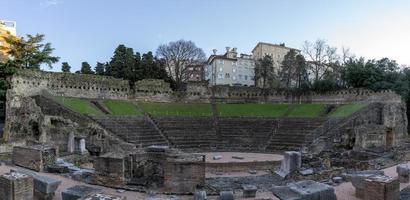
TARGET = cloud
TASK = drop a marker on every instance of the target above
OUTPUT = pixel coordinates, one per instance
(50, 3)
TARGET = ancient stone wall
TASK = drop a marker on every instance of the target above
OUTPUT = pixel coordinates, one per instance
(31, 83)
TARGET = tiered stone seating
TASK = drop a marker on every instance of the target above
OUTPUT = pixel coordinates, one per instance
(293, 133)
(132, 129)
(190, 133)
(245, 134)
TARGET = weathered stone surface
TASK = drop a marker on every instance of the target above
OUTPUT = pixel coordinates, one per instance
(102, 196)
(45, 184)
(305, 190)
(306, 172)
(405, 193)
(37, 157)
(157, 148)
(249, 191)
(109, 170)
(183, 173)
(380, 187)
(200, 195)
(16, 186)
(226, 195)
(78, 191)
(403, 172)
(358, 180)
(337, 179)
(238, 157)
(217, 157)
(292, 161)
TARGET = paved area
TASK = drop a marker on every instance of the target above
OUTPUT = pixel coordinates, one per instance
(344, 191)
(247, 157)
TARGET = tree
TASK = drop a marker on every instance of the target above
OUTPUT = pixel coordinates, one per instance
(123, 64)
(288, 69)
(30, 52)
(152, 67)
(178, 56)
(86, 68)
(264, 72)
(65, 67)
(99, 68)
(321, 57)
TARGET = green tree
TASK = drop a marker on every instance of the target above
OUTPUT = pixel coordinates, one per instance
(264, 72)
(152, 67)
(123, 63)
(86, 68)
(65, 67)
(178, 56)
(288, 69)
(99, 68)
(30, 53)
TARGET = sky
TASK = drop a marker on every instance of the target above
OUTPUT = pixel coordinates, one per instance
(90, 30)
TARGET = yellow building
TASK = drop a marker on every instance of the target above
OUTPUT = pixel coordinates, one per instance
(7, 28)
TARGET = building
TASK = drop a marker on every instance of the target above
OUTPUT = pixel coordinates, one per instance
(230, 69)
(6, 28)
(197, 72)
(277, 52)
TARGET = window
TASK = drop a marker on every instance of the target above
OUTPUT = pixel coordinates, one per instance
(234, 77)
(246, 77)
(220, 69)
(234, 63)
(239, 76)
(221, 62)
(252, 78)
(233, 70)
(227, 75)
(220, 76)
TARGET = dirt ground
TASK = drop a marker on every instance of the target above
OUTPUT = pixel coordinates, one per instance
(344, 191)
(247, 157)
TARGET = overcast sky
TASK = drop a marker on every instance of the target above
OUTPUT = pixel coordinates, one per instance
(89, 30)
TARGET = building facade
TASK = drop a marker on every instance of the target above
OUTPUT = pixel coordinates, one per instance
(6, 28)
(230, 69)
(277, 52)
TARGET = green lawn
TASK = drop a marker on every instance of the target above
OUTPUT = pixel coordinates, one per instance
(347, 110)
(307, 110)
(177, 109)
(118, 107)
(78, 105)
(252, 110)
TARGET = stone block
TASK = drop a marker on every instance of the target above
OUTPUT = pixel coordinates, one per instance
(380, 187)
(403, 172)
(238, 157)
(16, 186)
(305, 190)
(405, 193)
(226, 195)
(292, 161)
(249, 191)
(157, 148)
(78, 191)
(217, 157)
(45, 184)
(36, 157)
(184, 173)
(358, 178)
(306, 172)
(102, 196)
(200, 195)
(109, 170)
(43, 196)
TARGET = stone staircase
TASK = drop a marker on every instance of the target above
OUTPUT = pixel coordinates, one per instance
(293, 133)
(132, 129)
(245, 134)
(189, 133)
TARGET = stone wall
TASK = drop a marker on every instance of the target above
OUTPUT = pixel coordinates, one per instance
(31, 83)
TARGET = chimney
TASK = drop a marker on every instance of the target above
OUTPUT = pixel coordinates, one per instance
(214, 50)
(227, 49)
(234, 49)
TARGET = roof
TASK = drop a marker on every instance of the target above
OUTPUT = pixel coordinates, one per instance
(212, 57)
(274, 45)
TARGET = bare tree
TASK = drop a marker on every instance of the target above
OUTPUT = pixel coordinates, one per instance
(321, 57)
(179, 56)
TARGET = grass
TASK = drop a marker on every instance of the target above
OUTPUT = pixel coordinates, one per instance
(118, 107)
(347, 110)
(78, 105)
(252, 110)
(307, 110)
(177, 109)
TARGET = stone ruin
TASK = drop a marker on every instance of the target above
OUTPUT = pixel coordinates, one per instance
(160, 167)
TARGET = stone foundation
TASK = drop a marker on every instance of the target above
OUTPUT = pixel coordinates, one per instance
(381, 188)
(16, 186)
(109, 170)
(36, 157)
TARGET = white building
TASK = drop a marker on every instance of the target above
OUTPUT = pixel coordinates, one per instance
(230, 69)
